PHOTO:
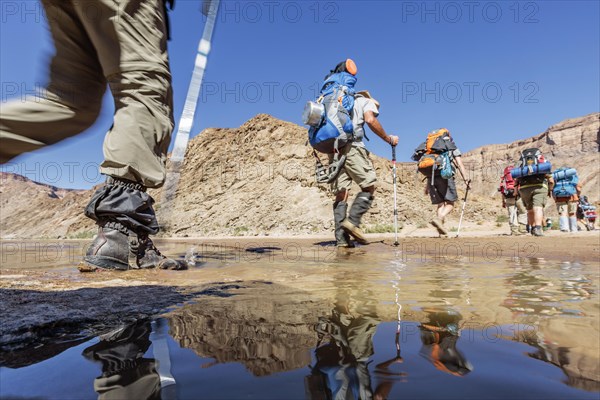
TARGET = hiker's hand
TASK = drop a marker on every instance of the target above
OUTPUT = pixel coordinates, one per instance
(426, 189)
(393, 140)
(468, 183)
(503, 204)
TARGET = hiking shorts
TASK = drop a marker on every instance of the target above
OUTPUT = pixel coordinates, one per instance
(534, 196)
(442, 190)
(566, 207)
(358, 168)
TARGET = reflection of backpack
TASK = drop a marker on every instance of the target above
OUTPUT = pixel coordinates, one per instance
(507, 184)
(330, 116)
(566, 184)
(433, 154)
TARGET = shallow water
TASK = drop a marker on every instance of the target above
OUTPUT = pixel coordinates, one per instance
(373, 323)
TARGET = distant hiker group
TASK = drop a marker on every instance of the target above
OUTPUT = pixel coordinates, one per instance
(526, 188)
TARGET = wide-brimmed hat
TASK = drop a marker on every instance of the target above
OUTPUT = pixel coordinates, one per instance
(365, 93)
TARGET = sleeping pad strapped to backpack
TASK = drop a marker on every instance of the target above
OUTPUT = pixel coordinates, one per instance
(565, 182)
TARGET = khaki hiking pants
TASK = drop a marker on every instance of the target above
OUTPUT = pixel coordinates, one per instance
(119, 42)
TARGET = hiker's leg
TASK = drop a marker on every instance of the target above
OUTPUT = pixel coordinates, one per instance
(572, 211)
(563, 218)
(360, 169)
(511, 207)
(340, 209)
(444, 209)
(70, 103)
(130, 40)
(521, 215)
(538, 216)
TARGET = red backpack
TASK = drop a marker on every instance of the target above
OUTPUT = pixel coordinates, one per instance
(507, 183)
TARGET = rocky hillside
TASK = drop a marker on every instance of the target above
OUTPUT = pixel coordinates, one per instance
(258, 179)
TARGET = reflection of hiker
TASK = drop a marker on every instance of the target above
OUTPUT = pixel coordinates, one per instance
(517, 213)
(357, 168)
(126, 374)
(566, 193)
(439, 336)
(437, 158)
(535, 185)
(341, 370)
(122, 44)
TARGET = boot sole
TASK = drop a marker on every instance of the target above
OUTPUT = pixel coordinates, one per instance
(93, 263)
(350, 229)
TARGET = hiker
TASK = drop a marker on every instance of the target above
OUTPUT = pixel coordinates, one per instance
(517, 214)
(122, 44)
(535, 186)
(437, 158)
(586, 213)
(566, 193)
(342, 130)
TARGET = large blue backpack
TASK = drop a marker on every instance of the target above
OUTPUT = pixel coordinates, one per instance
(565, 184)
(330, 116)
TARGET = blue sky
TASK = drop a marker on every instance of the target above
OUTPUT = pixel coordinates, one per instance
(490, 71)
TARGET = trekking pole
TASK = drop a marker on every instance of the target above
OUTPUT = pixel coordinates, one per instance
(182, 137)
(396, 243)
(463, 207)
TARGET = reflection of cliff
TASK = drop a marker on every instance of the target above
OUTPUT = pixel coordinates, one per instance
(267, 334)
(571, 344)
(578, 357)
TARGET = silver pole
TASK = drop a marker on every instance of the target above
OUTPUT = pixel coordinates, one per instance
(210, 9)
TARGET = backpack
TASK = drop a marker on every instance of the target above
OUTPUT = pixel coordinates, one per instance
(434, 154)
(566, 183)
(330, 116)
(507, 183)
(533, 167)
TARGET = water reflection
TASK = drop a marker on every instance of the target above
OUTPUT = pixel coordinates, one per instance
(126, 373)
(439, 335)
(345, 344)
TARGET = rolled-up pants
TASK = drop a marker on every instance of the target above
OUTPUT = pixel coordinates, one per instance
(122, 43)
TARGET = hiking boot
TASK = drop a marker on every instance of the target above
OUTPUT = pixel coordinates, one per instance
(342, 238)
(109, 249)
(354, 231)
(360, 206)
(523, 229)
(514, 231)
(148, 256)
(439, 225)
(537, 231)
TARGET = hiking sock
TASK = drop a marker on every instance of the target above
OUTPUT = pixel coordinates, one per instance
(563, 224)
(573, 223)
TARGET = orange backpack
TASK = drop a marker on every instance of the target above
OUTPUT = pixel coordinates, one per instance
(427, 154)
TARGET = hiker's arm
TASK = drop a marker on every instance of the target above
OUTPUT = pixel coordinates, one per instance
(376, 127)
(461, 168)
